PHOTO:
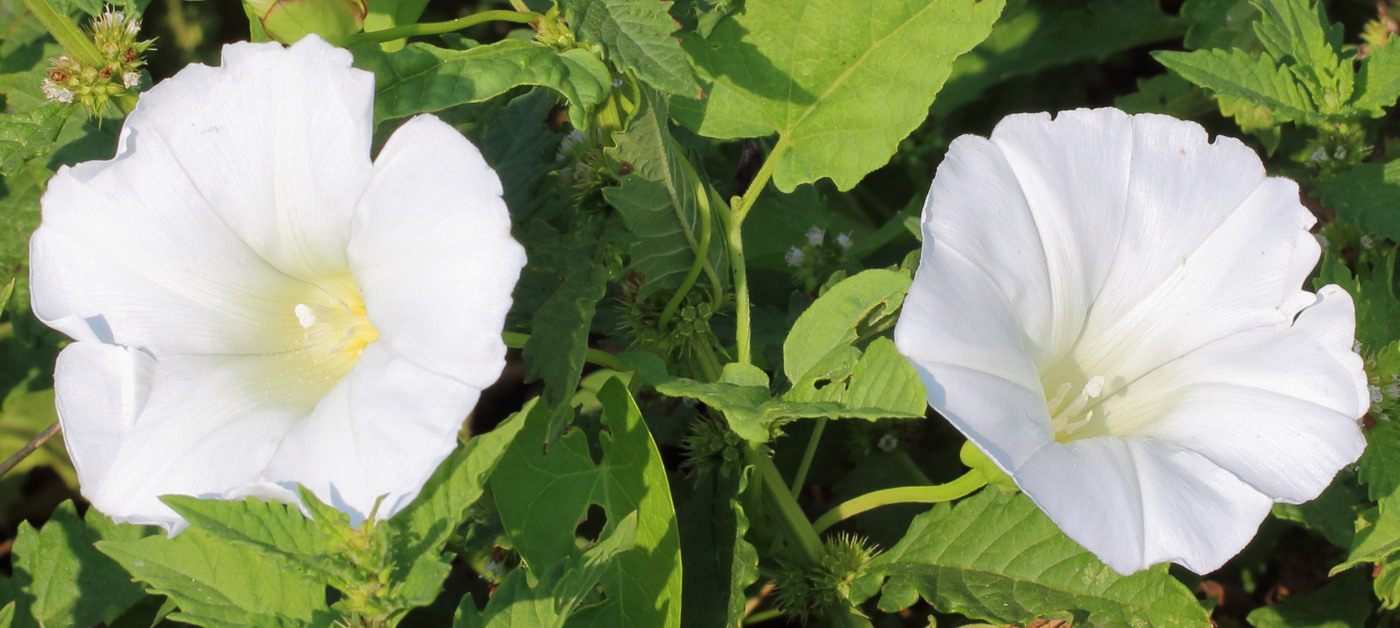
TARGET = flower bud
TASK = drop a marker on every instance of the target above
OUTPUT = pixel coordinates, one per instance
(289, 20)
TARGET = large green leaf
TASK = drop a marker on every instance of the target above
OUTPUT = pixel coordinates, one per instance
(659, 201)
(1298, 32)
(542, 494)
(719, 561)
(216, 583)
(19, 217)
(559, 591)
(63, 579)
(636, 35)
(273, 528)
(840, 84)
(1378, 83)
(424, 78)
(523, 150)
(994, 556)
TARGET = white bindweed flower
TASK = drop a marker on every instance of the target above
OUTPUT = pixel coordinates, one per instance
(1109, 307)
(255, 303)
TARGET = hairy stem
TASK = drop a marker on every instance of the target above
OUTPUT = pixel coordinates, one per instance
(969, 482)
(734, 229)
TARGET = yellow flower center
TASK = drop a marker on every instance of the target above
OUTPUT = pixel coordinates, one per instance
(1069, 416)
(336, 329)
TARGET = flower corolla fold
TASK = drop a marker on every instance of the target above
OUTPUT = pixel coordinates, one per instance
(256, 304)
(1109, 306)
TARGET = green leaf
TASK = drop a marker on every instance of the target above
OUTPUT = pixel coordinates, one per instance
(5, 293)
(542, 495)
(837, 318)
(1297, 32)
(1220, 24)
(1235, 73)
(424, 525)
(1343, 603)
(28, 136)
(822, 75)
(274, 528)
(719, 562)
(636, 35)
(63, 579)
(19, 217)
(559, 327)
(560, 590)
(522, 149)
(659, 201)
(995, 557)
(424, 78)
(384, 14)
(1378, 83)
(1165, 93)
(219, 584)
(1366, 195)
(1387, 585)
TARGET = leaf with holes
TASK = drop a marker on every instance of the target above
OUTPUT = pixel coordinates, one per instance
(542, 494)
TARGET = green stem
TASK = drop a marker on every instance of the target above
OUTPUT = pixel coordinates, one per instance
(776, 493)
(701, 249)
(762, 616)
(74, 41)
(438, 28)
(734, 228)
(969, 482)
(604, 359)
(807, 456)
(705, 356)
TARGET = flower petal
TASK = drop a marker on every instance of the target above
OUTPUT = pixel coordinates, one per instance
(975, 187)
(381, 431)
(1074, 173)
(958, 330)
(432, 251)
(1141, 502)
(138, 427)
(1234, 281)
(1275, 406)
(276, 141)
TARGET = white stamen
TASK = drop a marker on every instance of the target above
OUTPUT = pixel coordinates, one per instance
(305, 315)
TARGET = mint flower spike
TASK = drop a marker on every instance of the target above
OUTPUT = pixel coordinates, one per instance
(114, 34)
(256, 304)
(1109, 306)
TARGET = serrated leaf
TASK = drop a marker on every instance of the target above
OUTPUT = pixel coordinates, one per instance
(1366, 195)
(63, 579)
(1343, 603)
(274, 528)
(424, 78)
(659, 201)
(220, 584)
(560, 590)
(1297, 32)
(636, 35)
(28, 136)
(1235, 73)
(821, 74)
(996, 557)
(541, 497)
(835, 319)
(1378, 82)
